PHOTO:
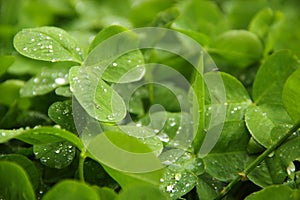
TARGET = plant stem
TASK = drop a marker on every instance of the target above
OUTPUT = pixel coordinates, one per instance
(198, 86)
(81, 166)
(257, 161)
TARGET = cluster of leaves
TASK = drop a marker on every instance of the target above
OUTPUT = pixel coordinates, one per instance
(42, 156)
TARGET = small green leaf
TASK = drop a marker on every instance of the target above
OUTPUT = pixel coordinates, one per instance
(11, 89)
(291, 95)
(142, 192)
(127, 153)
(261, 23)
(45, 82)
(95, 174)
(127, 68)
(63, 91)
(262, 122)
(6, 62)
(97, 98)
(105, 34)
(62, 114)
(14, 182)
(280, 192)
(27, 165)
(271, 76)
(48, 44)
(237, 48)
(201, 17)
(56, 155)
(69, 189)
(180, 175)
(265, 25)
(143, 134)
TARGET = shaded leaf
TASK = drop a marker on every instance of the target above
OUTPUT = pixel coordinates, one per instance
(62, 114)
(142, 192)
(56, 155)
(70, 189)
(14, 183)
(208, 187)
(27, 165)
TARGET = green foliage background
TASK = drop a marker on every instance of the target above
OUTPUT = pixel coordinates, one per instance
(255, 44)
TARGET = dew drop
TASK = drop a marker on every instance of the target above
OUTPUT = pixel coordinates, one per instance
(77, 49)
(129, 61)
(170, 188)
(156, 131)
(36, 80)
(163, 137)
(57, 151)
(3, 134)
(32, 40)
(50, 51)
(111, 117)
(271, 154)
(291, 168)
(161, 180)
(177, 176)
(47, 38)
(25, 48)
(60, 81)
(172, 124)
(56, 126)
(115, 64)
